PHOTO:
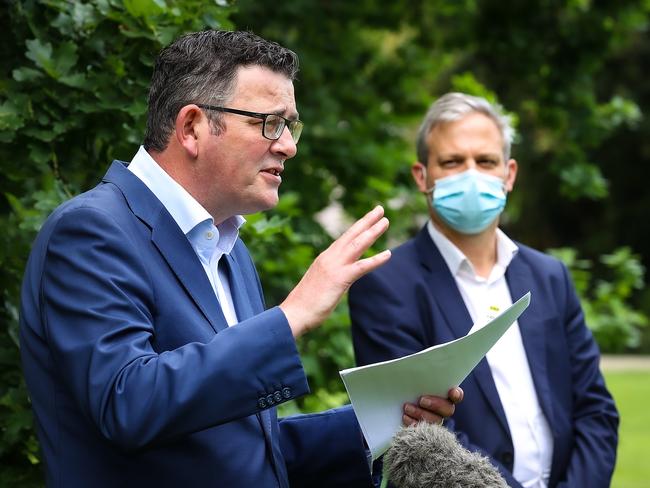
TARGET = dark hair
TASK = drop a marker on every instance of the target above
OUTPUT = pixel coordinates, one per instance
(200, 68)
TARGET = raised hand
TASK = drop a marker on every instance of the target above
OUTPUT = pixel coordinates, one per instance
(333, 271)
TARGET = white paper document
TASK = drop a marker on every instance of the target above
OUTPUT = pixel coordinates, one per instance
(378, 391)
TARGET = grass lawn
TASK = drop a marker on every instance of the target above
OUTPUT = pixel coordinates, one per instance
(631, 391)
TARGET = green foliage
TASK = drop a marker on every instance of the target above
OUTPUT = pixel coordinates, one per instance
(73, 97)
(605, 296)
(369, 71)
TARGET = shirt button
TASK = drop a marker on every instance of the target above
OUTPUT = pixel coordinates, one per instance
(286, 393)
(209, 235)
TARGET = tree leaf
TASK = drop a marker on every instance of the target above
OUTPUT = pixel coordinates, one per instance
(41, 53)
(144, 8)
(26, 74)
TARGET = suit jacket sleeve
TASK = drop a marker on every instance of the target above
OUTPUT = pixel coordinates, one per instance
(594, 415)
(98, 307)
(325, 449)
(385, 319)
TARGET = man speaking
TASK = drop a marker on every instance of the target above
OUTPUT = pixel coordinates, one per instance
(146, 346)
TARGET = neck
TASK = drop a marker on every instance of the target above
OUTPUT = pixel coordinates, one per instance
(183, 171)
(480, 249)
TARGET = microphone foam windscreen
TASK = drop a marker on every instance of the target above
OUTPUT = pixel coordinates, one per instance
(429, 456)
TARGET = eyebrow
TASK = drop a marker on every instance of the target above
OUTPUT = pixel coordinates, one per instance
(490, 155)
(283, 111)
(445, 157)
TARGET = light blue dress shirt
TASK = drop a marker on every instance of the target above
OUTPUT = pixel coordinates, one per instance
(210, 242)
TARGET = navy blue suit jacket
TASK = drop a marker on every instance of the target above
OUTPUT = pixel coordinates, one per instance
(135, 377)
(413, 303)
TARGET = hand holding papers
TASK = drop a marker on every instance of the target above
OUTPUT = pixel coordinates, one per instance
(378, 391)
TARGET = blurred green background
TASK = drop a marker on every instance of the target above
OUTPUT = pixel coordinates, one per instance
(630, 385)
(73, 97)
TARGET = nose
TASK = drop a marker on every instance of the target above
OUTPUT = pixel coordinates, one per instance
(284, 145)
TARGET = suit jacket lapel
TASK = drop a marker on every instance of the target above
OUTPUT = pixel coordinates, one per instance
(182, 259)
(170, 241)
(533, 331)
(238, 288)
(442, 285)
(240, 291)
(445, 292)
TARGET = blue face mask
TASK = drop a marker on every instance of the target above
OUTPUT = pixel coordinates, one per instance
(469, 201)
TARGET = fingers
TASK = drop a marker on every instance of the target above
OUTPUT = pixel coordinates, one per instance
(362, 233)
(362, 224)
(348, 248)
(366, 265)
(432, 409)
(357, 246)
(442, 407)
(456, 395)
(414, 414)
(333, 272)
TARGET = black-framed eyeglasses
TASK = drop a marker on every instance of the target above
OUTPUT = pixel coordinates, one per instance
(273, 124)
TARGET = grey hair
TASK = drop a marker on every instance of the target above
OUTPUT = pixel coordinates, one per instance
(201, 68)
(454, 106)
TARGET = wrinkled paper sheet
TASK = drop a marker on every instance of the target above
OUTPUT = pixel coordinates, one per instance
(378, 391)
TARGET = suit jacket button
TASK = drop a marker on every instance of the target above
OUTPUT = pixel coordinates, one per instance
(286, 393)
(269, 399)
(277, 396)
(261, 402)
(506, 457)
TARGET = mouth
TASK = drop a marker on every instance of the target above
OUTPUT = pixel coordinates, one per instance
(273, 174)
(275, 169)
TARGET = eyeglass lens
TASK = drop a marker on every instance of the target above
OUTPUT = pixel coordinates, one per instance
(274, 125)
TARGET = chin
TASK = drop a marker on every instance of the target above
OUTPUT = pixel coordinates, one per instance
(263, 204)
(272, 201)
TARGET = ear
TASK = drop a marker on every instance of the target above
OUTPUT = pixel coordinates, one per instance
(512, 175)
(419, 172)
(188, 126)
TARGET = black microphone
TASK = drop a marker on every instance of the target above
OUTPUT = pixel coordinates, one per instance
(429, 456)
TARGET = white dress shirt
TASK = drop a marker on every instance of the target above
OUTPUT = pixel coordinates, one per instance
(210, 242)
(484, 299)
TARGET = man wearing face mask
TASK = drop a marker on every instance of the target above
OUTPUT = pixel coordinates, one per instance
(537, 405)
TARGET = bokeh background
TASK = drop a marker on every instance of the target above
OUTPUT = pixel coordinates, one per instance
(73, 86)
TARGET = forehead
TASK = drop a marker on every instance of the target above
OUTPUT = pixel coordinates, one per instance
(475, 131)
(264, 87)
